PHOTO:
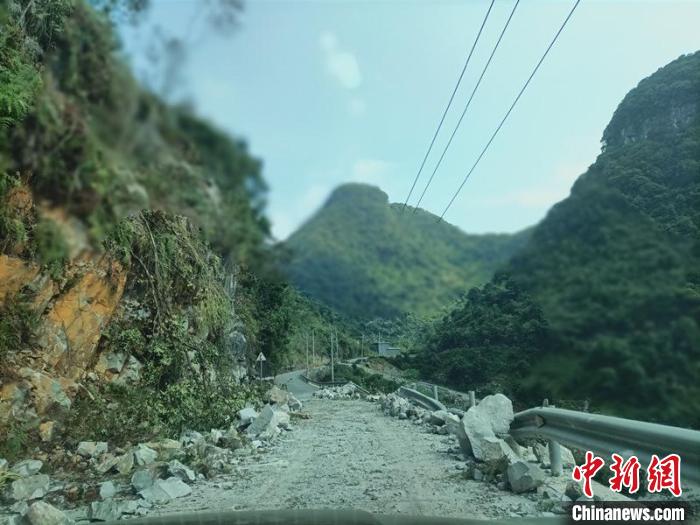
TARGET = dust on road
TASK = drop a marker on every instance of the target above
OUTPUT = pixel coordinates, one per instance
(350, 456)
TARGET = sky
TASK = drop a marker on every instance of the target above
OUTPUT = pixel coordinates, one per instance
(335, 91)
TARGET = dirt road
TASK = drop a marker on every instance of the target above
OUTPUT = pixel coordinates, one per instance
(351, 456)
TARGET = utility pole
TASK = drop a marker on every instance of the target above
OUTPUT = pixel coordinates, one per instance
(313, 345)
(362, 345)
(332, 363)
(307, 354)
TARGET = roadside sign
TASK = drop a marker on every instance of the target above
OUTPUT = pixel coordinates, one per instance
(261, 358)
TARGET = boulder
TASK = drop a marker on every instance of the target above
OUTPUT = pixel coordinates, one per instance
(497, 409)
(107, 463)
(277, 396)
(267, 424)
(41, 513)
(28, 467)
(247, 415)
(294, 404)
(479, 430)
(3, 464)
(31, 487)
(142, 479)
(177, 469)
(167, 449)
(91, 449)
(164, 490)
(215, 436)
(125, 463)
(439, 417)
(144, 455)
(573, 490)
(191, 437)
(524, 477)
(108, 510)
(107, 490)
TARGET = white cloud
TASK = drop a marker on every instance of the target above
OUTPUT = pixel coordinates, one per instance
(556, 189)
(341, 64)
(372, 171)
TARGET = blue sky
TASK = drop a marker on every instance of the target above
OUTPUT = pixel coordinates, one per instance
(327, 92)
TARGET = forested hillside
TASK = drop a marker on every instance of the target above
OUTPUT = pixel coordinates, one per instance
(136, 271)
(603, 301)
(367, 258)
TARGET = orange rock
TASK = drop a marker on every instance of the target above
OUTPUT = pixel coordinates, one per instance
(14, 274)
(74, 325)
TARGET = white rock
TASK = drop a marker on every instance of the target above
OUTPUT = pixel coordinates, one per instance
(142, 479)
(31, 487)
(108, 510)
(497, 409)
(247, 415)
(28, 467)
(164, 490)
(144, 455)
(41, 513)
(267, 424)
(91, 449)
(107, 490)
(524, 477)
(177, 469)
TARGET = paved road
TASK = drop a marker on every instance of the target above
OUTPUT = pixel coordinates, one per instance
(296, 385)
(351, 456)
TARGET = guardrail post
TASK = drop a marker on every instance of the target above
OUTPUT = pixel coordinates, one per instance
(554, 452)
(435, 393)
(472, 399)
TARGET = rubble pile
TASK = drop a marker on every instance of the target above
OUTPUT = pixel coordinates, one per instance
(347, 391)
(120, 482)
(490, 454)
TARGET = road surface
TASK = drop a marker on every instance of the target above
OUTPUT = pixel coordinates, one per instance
(349, 455)
(302, 390)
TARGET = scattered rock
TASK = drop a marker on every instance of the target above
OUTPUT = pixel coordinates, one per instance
(91, 449)
(28, 467)
(268, 423)
(46, 431)
(107, 463)
(348, 391)
(125, 463)
(573, 490)
(277, 396)
(41, 513)
(164, 490)
(524, 477)
(144, 455)
(177, 469)
(3, 464)
(294, 404)
(31, 487)
(108, 510)
(142, 479)
(247, 415)
(107, 490)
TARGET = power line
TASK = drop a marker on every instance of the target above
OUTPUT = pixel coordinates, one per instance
(466, 107)
(522, 90)
(449, 103)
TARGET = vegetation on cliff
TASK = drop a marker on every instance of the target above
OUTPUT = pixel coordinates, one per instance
(367, 258)
(606, 292)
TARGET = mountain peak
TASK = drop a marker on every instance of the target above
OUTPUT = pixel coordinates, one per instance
(357, 192)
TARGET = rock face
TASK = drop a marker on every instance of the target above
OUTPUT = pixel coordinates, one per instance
(42, 387)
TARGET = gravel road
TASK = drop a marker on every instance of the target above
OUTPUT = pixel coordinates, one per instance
(351, 456)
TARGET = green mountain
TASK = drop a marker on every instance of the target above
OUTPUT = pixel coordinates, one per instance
(603, 301)
(367, 258)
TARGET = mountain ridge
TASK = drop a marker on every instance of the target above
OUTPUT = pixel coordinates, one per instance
(367, 257)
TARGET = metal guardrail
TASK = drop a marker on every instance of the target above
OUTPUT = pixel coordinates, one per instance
(423, 400)
(606, 434)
